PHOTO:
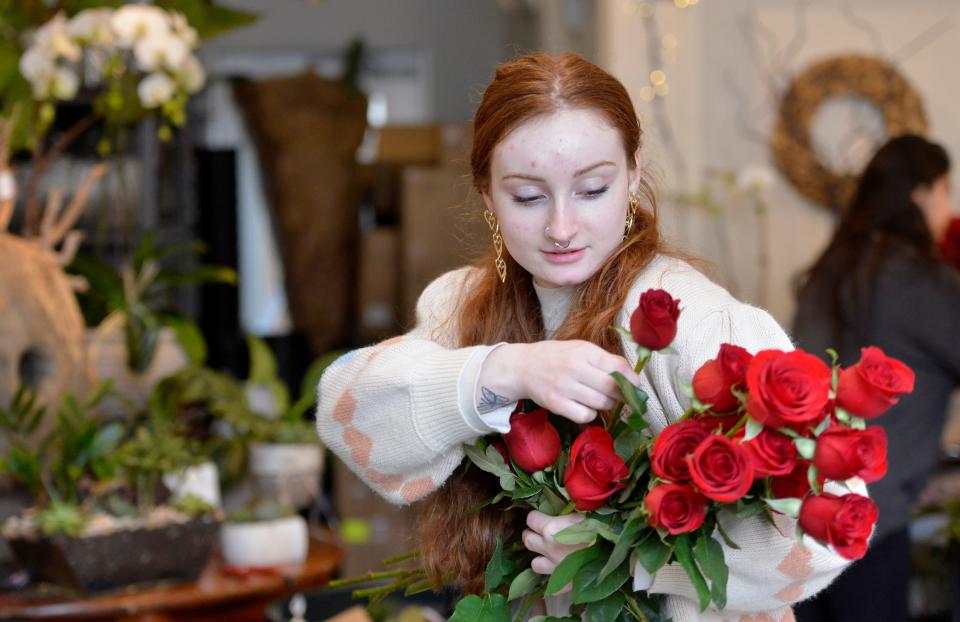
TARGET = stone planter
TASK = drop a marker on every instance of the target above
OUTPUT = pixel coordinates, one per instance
(174, 553)
(202, 480)
(287, 473)
(265, 543)
(107, 349)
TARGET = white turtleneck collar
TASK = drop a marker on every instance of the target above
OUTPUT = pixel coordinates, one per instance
(555, 303)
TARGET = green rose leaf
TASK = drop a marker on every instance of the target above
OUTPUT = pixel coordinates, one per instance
(588, 588)
(652, 552)
(682, 549)
(523, 584)
(635, 398)
(568, 568)
(491, 608)
(709, 555)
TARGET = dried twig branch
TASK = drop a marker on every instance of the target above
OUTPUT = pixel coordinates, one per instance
(75, 208)
(71, 244)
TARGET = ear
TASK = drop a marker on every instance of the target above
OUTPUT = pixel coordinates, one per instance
(921, 195)
(487, 201)
(635, 175)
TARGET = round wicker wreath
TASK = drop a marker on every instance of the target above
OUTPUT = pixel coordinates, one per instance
(873, 79)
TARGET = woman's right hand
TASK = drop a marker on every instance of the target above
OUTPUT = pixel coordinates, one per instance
(569, 378)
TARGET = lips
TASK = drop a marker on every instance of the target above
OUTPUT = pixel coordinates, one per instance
(565, 256)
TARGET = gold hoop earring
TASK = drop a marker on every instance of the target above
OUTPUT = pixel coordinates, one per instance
(633, 204)
(494, 225)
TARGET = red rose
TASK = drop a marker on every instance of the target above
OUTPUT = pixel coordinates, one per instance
(793, 485)
(721, 469)
(721, 423)
(595, 470)
(668, 458)
(712, 383)
(787, 389)
(678, 509)
(874, 384)
(654, 323)
(532, 441)
(843, 453)
(950, 244)
(843, 522)
(772, 453)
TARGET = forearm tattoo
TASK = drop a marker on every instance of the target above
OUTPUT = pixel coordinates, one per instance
(490, 401)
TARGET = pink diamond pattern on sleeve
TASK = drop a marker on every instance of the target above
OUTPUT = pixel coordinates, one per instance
(387, 482)
(417, 489)
(344, 409)
(359, 444)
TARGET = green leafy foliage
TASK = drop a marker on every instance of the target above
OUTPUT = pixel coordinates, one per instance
(142, 294)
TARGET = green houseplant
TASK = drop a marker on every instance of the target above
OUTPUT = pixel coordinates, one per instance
(85, 517)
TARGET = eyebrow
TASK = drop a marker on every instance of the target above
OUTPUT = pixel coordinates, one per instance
(582, 171)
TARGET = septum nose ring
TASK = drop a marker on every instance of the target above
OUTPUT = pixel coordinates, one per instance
(557, 244)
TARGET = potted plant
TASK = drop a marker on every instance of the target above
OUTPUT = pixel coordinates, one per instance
(285, 457)
(264, 533)
(89, 528)
(140, 337)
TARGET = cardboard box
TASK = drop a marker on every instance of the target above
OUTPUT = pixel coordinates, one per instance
(378, 292)
(441, 228)
(410, 144)
(372, 528)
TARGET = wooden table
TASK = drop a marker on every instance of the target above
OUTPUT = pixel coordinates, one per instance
(214, 596)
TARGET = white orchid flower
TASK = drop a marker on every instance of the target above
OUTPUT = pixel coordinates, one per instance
(92, 26)
(132, 22)
(53, 37)
(755, 178)
(36, 64)
(156, 90)
(160, 51)
(65, 83)
(182, 28)
(191, 74)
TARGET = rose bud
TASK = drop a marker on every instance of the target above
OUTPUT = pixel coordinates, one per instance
(721, 469)
(843, 453)
(712, 383)
(668, 458)
(787, 389)
(844, 522)
(595, 470)
(793, 485)
(532, 441)
(654, 323)
(772, 453)
(678, 509)
(874, 384)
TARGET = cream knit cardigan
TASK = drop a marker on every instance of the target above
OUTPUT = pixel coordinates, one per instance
(390, 412)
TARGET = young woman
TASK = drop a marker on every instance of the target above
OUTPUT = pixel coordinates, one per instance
(880, 282)
(556, 158)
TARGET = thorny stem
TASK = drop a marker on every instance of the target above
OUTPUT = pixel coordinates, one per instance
(615, 416)
(634, 606)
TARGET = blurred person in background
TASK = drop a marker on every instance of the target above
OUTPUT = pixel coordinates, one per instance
(882, 281)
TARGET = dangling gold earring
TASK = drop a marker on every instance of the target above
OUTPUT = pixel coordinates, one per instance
(494, 225)
(633, 204)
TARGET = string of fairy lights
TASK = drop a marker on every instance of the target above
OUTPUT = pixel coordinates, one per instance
(667, 53)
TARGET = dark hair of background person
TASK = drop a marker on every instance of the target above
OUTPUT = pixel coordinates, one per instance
(881, 218)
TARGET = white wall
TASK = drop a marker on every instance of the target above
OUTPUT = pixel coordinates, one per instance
(714, 58)
(462, 37)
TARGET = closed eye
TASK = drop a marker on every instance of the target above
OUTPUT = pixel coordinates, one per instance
(528, 199)
(592, 194)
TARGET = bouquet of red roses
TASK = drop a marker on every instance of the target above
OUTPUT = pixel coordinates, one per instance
(764, 432)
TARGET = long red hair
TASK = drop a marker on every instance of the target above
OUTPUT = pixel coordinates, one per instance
(454, 542)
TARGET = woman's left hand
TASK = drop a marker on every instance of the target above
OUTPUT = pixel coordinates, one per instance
(539, 539)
